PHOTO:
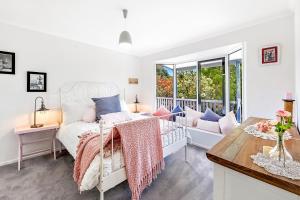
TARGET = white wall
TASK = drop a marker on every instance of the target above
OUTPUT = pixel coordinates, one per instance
(297, 55)
(264, 85)
(64, 61)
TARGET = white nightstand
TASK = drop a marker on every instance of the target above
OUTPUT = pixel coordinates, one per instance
(50, 129)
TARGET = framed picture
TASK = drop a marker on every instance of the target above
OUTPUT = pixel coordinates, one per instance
(7, 62)
(270, 55)
(36, 82)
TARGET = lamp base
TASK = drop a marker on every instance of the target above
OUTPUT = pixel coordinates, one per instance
(37, 125)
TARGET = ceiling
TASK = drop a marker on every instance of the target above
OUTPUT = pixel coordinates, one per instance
(203, 55)
(155, 25)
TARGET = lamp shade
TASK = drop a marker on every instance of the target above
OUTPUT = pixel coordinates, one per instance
(125, 38)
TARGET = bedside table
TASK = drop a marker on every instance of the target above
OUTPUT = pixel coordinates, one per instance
(50, 129)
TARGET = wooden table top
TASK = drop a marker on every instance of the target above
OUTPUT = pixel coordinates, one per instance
(234, 152)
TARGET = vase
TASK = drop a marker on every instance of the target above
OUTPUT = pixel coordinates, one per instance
(279, 152)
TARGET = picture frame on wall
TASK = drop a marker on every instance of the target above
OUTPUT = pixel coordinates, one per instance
(36, 81)
(270, 55)
(7, 62)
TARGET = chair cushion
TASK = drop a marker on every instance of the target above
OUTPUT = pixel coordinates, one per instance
(193, 114)
(208, 126)
(210, 115)
(227, 123)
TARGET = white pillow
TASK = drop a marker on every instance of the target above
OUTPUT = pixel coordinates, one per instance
(114, 118)
(89, 115)
(73, 112)
(208, 126)
(193, 114)
(227, 123)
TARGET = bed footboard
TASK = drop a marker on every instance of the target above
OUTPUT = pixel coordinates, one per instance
(174, 137)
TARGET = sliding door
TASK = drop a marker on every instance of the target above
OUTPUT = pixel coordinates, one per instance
(211, 80)
(235, 83)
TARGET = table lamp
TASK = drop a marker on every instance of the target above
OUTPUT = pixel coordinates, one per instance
(42, 108)
(136, 102)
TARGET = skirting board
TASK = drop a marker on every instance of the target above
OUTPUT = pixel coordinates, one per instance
(9, 162)
(28, 157)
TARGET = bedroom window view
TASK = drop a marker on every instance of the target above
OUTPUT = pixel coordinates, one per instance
(201, 85)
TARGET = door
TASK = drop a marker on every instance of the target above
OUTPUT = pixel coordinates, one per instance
(211, 80)
(235, 83)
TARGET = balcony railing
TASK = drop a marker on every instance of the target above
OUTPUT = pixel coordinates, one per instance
(216, 105)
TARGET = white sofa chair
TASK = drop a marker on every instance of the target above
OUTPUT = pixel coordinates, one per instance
(201, 137)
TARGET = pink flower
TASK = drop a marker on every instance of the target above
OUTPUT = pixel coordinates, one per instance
(264, 126)
(283, 113)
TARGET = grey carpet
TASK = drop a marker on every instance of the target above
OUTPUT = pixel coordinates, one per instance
(43, 178)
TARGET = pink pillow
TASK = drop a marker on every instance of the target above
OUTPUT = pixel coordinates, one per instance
(228, 123)
(89, 115)
(162, 111)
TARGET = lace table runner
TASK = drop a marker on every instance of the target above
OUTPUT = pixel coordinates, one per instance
(291, 169)
(252, 130)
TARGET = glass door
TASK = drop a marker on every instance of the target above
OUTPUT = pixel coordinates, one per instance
(235, 83)
(211, 85)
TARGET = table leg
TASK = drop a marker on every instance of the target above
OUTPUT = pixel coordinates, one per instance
(54, 144)
(20, 152)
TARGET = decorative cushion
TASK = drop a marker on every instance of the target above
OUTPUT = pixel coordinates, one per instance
(89, 115)
(228, 122)
(73, 112)
(210, 115)
(178, 110)
(193, 114)
(208, 126)
(107, 105)
(114, 118)
(162, 111)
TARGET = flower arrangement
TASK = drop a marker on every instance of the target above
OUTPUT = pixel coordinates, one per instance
(284, 123)
(264, 126)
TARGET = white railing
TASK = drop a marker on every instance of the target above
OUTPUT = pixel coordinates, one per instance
(216, 105)
(191, 103)
(167, 102)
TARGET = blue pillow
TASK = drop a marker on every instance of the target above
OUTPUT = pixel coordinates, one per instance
(210, 115)
(107, 105)
(178, 110)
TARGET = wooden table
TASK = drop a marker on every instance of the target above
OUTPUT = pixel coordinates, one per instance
(27, 130)
(234, 151)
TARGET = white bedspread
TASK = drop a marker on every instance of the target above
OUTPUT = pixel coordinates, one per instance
(68, 136)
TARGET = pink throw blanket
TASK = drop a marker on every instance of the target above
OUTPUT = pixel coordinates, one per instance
(142, 149)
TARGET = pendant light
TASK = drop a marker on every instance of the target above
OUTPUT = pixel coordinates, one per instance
(125, 38)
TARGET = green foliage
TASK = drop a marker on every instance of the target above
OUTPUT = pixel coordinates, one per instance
(283, 125)
(187, 84)
(211, 83)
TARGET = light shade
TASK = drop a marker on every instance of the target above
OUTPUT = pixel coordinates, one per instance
(125, 38)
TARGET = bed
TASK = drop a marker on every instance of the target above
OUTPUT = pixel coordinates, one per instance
(107, 172)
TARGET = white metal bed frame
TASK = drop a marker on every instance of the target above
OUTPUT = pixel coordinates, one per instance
(82, 91)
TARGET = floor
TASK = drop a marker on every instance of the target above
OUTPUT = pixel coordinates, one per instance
(43, 178)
